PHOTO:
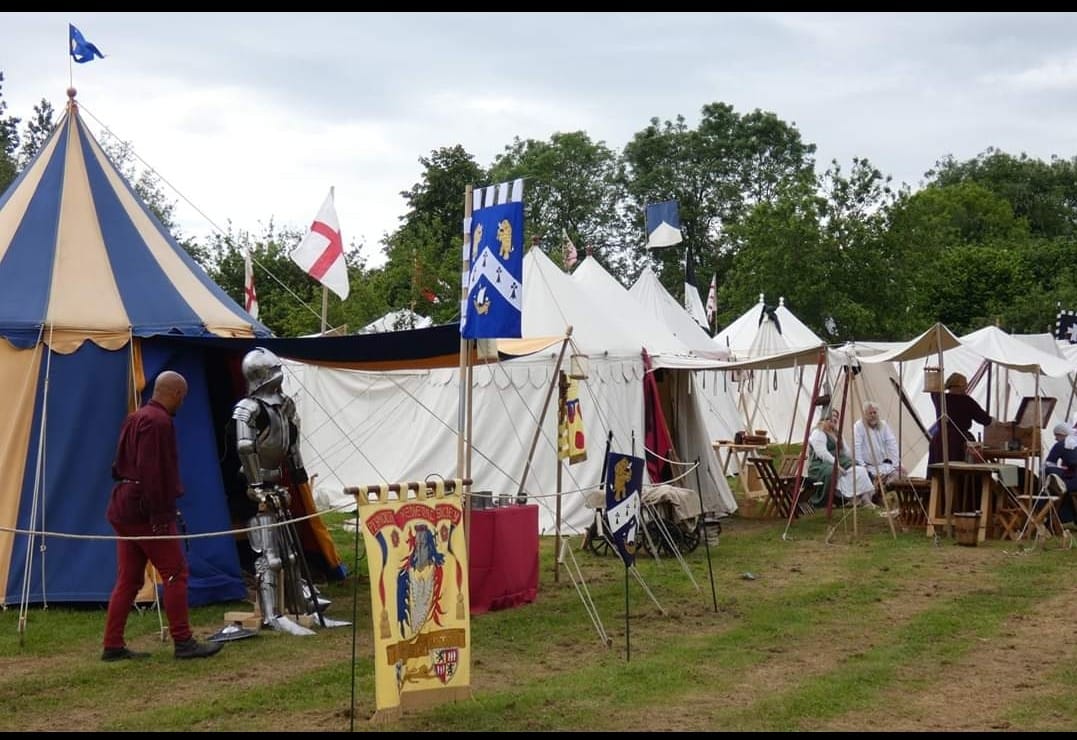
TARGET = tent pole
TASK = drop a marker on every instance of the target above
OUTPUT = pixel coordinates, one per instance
(944, 422)
(562, 395)
(521, 498)
(816, 385)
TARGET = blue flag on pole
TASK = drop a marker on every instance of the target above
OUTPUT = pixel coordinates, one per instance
(494, 303)
(82, 51)
(624, 487)
(663, 224)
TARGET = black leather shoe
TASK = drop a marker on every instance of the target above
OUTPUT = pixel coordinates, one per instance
(192, 648)
(111, 654)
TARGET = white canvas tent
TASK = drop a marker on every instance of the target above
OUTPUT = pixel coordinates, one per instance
(721, 416)
(775, 400)
(1018, 369)
(363, 428)
(405, 318)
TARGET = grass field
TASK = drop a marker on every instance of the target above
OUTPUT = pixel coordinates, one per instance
(869, 632)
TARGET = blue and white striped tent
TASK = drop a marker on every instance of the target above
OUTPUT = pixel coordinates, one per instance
(91, 288)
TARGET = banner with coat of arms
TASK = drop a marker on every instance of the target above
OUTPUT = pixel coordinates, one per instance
(417, 560)
(493, 302)
(624, 491)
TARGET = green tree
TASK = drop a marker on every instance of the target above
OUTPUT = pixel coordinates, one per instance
(717, 172)
(1043, 193)
(571, 186)
(951, 235)
(423, 256)
(9, 143)
(821, 245)
(289, 300)
(36, 132)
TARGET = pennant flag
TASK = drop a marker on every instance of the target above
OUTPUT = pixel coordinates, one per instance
(624, 485)
(250, 295)
(692, 304)
(571, 441)
(568, 250)
(663, 224)
(1066, 326)
(493, 306)
(321, 253)
(82, 51)
(712, 300)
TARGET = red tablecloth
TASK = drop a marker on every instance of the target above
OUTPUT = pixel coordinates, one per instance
(503, 557)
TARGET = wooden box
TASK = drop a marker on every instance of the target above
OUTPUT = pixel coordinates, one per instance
(1004, 435)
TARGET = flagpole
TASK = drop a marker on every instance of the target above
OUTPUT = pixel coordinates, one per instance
(325, 306)
(465, 344)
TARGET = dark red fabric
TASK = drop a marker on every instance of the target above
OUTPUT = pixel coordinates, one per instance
(503, 557)
(146, 458)
(131, 556)
(656, 437)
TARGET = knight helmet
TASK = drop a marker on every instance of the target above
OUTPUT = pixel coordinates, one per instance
(263, 372)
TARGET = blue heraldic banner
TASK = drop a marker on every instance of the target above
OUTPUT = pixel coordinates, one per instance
(624, 487)
(495, 287)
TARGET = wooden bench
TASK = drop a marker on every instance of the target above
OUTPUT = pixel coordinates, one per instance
(912, 496)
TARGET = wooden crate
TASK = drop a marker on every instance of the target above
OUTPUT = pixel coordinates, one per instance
(998, 435)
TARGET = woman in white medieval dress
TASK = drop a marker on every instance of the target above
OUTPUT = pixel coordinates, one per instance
(826, 444)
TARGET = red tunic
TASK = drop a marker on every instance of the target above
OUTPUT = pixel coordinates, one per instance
(146, 469)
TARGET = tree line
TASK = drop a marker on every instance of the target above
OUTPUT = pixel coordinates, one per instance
(989, 240)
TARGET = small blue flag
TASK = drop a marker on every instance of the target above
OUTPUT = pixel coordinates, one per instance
(494, 303)
(624, 489)
(663, 224)
(82, 51)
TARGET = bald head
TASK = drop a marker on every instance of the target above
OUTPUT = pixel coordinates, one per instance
(169, 390)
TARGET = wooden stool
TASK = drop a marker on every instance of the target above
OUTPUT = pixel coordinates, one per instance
(912, 498)
(1044, 512)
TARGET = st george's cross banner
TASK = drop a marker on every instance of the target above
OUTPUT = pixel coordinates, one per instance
(417, 561)
(493, 302)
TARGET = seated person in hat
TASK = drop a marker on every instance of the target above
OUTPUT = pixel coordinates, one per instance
(1060, 469)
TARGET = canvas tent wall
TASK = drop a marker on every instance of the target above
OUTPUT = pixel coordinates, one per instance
(719, 409)
(1014, 366)
(364, 428)
(776, 401)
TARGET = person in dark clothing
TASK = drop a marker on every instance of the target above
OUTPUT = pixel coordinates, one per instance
(143, 504)
(962, 410)
(1060, 467)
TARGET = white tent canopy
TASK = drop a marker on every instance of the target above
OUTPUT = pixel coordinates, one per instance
(361, 428)
(774, 350)
(653, 298)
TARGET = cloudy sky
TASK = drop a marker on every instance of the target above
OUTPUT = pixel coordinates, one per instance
(252, 117)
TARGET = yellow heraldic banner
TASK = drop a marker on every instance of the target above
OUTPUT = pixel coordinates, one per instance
(571, 441)
(417, 556)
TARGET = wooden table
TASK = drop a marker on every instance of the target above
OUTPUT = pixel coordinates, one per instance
(741, 452)
(970, 489)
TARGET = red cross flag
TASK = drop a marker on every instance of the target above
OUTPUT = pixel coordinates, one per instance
(321, 253)
(250, 295)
